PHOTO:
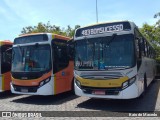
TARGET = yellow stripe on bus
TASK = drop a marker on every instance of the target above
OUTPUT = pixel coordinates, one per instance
(53, 36)
(1, 43)
(54, 84)
(102, 83)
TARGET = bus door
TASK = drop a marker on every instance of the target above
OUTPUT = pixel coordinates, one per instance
(5, 76)
(60, 66)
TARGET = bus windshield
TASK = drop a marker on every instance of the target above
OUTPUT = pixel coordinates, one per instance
(31, 58)
(110, 52)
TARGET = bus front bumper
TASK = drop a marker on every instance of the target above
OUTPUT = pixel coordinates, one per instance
(128, 93)
(46, 89)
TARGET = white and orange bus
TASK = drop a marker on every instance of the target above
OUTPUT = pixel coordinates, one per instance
(41, 64)
(5, 65)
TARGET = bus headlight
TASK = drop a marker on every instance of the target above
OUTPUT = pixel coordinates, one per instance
(41, 83)
(47, 80)
(132, 80)
(78, 83)
(128, 82)
(125, 84)
(44, 82)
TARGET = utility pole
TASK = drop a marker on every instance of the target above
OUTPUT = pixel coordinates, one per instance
(96, 12)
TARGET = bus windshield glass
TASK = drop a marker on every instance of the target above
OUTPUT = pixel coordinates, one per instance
(110, 52)
(31, 58)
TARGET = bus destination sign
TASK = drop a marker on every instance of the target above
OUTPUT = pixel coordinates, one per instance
(31, 39)
(103, 28)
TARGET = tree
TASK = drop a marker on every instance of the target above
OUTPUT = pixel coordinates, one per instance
(152, 33)
(70, 31)
(48, 28)
(158, 22)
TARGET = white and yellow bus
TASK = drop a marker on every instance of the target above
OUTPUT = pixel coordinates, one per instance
(41, 64)
(112, 60)
(5, 64)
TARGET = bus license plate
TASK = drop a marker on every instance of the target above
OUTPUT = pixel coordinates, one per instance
(24, 90)
(98, 92)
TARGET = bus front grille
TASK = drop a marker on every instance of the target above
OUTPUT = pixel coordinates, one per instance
(107, 91)
(27, 88)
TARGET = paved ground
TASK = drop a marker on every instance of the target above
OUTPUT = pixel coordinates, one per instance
(70, 102)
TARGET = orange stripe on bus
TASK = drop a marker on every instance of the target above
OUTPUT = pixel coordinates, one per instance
(29, 34)
(6, 80)
(32, 82)
(64, 83)
(5, 42)
(61, 37)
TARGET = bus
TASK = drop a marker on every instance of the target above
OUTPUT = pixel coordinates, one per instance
(5, 64)
(41, 64)
(112, 60)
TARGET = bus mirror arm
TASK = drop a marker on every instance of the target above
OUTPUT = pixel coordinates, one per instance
(8, 49)
(70, 49)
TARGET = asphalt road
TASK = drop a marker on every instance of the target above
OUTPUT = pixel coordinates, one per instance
(70, 102)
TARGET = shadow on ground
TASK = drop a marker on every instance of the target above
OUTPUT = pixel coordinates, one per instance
(47, 100)
(146, 103)
(7, 94)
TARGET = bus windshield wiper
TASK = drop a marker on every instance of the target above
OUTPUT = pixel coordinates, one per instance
(112, 38)
(13, 54)
(19, 48)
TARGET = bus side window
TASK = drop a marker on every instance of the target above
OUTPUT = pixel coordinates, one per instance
(142, 45)
(139, 51)
(150, 52)
(146, 49)
(138, 42)
(137, 48)
(6, 57)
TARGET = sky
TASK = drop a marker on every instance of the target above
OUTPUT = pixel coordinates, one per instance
(16, 14)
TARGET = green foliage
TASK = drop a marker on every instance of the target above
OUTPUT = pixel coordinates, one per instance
(48, 28)
(147, 31)
(158, 22)
(152, 33)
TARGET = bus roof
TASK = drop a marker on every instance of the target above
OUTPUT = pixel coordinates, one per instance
(114, 21)
(53, 35)
(5, 42)
(60, 37)
(28, 34)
